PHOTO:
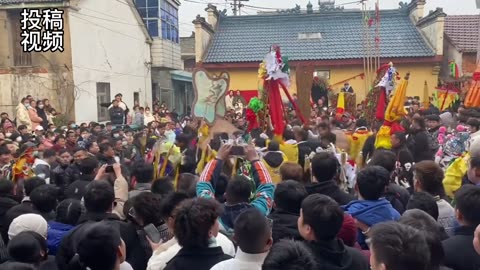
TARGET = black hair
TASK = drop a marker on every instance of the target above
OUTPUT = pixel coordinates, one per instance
(432, 231)
(88, 165)
(467, 200)
(385, 159)
(401, 136)
(273, 146)
(425, 202)
(187, 183)
(475, 162)
(69, 211)
(474, 123)
(221, 187)
(361, 122)
(170, 202)
(193, 220)
(324, 166)
(239, 189)
(44, 198)
(4, 150)
(163, 186)
(104, 147)
(6, 187)
(26, 247)
(289, 255)
(288, 135)
(302, 134)
(252, 231)
(99, 197)
(32, 183)
(142, 172)
(79, 149)
(430, 176)
(372, 182)
(21, 127)
(420, 121)
(432, 117)
(323, 215)
(182, 138)
(289, 195)
(399, 246)
(147, 206)
(58, 138)
(98, 247)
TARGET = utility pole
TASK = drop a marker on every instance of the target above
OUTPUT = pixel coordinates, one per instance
(237, 5)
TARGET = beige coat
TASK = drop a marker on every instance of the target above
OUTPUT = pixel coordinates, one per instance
(23, 118)
(34, 118)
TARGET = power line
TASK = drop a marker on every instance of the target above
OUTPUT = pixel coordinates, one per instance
(101, 26)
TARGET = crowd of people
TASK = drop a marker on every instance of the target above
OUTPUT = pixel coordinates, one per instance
(110, 196)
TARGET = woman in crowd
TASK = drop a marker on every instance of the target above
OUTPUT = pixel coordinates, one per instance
(32, 113)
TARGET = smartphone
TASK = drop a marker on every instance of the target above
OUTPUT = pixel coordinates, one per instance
(109, 169)
(152, 233)
(237, 150)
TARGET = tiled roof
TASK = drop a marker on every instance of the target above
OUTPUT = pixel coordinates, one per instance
(248, 38)
(463, 31)
(7, 2)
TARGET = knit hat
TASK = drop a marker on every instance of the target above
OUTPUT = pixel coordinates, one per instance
(28, 222)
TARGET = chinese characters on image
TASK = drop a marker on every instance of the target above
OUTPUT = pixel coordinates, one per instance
(42, 30)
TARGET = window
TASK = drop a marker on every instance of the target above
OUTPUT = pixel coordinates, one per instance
(148, 9)
(322, 74)
(136, 98)
(103, 96)
(20, 58)
(169, 15)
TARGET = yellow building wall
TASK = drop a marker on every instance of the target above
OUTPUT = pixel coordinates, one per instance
(247, 79)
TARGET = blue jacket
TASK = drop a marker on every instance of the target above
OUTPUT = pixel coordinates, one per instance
(56, 232)
(371, 213)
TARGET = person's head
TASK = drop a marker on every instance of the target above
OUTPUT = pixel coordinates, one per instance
(196, 222)
(371, 182)
(28, 222)
(187, 184)
(44, 198)
(397, 246)
(289, 196)
(118, 97)
(291, 171)
(88, 166)
(115, 103)
(118, 144)
(163, 186)
(32, 183)
(289, 255)
(476, 240)
(142, 172)
(28, 247)
(84, 133)
(238, 190)
(99, 197)
(5, 155)
(423, 222)
(425, 202)
(385, 159)
(321, 218)
(473, 125)
(69, 212)
(168, 205)
(108, 126)
(273, 146)
(323, 129)
(473, 172)
(145, 209)
(418, 124)
(50, 156)
(60, 140)
(324, 167)
(428, 177)
(79, 154)
(467, 200)
(64, 157)
(300, 134)
(6, 187)
(433, 120)
(101, 248)
(22, 129)
(4, 115)
(92, 147)
(398, 139)
(33, 103)
(71, 136)
(253, 232)
(106, 149)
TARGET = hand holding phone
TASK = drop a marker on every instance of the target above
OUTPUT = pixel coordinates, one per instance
(152, 233)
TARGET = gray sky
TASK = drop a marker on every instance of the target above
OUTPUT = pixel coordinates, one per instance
(190, 8)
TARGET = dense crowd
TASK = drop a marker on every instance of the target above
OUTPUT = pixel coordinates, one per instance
(144, 191)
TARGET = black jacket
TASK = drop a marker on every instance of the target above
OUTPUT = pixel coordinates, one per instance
(284, 225)
(59, 178)
(334, 255)
(116, 115)
(418, 144)
(25, 207)
(459, 251)
(197, 258)
(330, 188)
(6, 203)
(78, 188)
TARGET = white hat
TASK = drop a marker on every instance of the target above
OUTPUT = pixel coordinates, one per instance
(39, 128)
(26, 223)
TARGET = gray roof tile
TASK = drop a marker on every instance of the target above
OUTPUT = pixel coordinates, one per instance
(248, 38)
(463, 31)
